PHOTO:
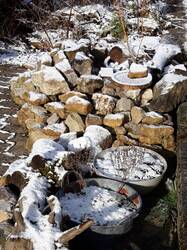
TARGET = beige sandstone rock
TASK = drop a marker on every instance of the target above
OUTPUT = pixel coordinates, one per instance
(69, 94)
(152, 118)
(75, 122)
(35, 135)
(35, 98)
(137, 114)
(120, 130)
(124, 104)
(133, 94)
(54, 118)
(82, 63)
(78, 105)
(104, 104)
(113, 120)
(67, 71)
(56, 107)
(93, 120)
(29, 111)
(4, 215)
(89, 84)
(152, 134)
(31, 124)
(147, 96)
(125, 140)
(50, 81)
(59, 56)
(55, 129)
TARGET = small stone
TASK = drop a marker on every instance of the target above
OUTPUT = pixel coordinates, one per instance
(56, 107)
(152, 118)
(104, 104)
(69, 94)
(55, 130)
(113, 120)
(137, 71)
(93, 120)
(137, 114)
(147, 96)
(133, 94)
(120, 130)
(82, 63)
(54, 118)
(89, 84)
(75, 123)
(99, 136)
(133, 128)
(78, 105)
(50, 81)
(124, 104)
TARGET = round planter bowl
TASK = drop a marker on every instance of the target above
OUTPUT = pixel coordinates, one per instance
(122, 189)
(143, 186)
(122, 81)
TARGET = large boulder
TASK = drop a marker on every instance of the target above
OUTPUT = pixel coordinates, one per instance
(170, 91)
(50, 81)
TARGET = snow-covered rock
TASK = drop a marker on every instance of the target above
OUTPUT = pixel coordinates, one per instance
(56, 107)
(104, 104)
(99, 136)
(46, 148)
(114, 120)
(50, 81)
(82, 63)
(69, 94)
(90, 83)
(152, 118)
(78, 105)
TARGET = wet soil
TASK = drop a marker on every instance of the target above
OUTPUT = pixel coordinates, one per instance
(12, 135)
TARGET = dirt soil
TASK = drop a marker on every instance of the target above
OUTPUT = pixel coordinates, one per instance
(11, 134)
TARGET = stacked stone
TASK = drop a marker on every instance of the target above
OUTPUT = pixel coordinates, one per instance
(63, 95)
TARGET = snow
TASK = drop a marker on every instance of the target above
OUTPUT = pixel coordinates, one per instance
(134, 68)
(56, 127)
(77, 100)
(18, 165)
(56, 105)
(63, 66)
(163, 53)
(154, 114)
(132, 164)
(34, 96)
(46, 148)
(168, 82)
(66, 138)
(79, 144)
(103, 206)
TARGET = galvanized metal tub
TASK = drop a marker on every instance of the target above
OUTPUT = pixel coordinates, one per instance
(143, 186)
(124, 190)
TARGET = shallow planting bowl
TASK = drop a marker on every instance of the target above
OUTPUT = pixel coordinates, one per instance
(122, 190)
(143, 185)
(122, 81)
